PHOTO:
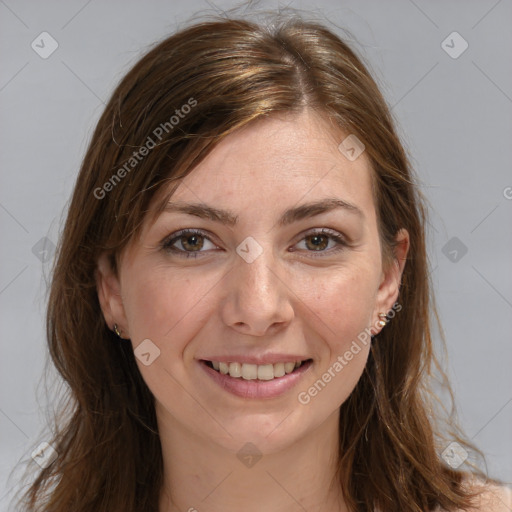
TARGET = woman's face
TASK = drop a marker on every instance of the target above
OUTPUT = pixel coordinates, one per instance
(259, 284)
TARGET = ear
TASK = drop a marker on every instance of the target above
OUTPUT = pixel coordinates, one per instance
(109, 295)
(392, 277)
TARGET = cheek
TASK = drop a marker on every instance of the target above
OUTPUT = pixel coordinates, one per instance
(162, 303)
(344, 303)
(340, 311)
(147, 301)
(165, 307)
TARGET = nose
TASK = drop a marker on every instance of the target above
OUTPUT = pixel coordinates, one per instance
(257, 298)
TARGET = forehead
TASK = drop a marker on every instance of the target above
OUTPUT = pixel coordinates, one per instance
(277, 162)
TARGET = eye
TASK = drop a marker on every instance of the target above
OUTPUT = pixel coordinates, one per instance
(192, 241)
(188, 239)
(318, 240)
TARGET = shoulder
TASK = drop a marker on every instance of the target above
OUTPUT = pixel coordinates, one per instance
(492, 497)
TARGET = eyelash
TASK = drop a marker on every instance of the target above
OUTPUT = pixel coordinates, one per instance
(171, 239)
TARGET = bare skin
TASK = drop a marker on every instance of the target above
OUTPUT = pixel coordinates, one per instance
(300, 296)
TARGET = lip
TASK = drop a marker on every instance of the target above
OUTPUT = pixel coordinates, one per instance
(255, 389)
(260, 360)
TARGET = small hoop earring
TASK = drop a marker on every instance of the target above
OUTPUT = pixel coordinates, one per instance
(117, 331)
(383, 320)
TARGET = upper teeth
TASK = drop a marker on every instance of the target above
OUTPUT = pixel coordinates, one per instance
(255, 371)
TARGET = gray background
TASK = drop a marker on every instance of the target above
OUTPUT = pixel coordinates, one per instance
(454, 116)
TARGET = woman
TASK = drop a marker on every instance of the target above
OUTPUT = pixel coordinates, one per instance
(240, 304)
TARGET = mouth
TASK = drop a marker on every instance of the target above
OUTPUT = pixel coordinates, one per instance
(256, 381)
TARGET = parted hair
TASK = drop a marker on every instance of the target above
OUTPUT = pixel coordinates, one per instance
(231, 71)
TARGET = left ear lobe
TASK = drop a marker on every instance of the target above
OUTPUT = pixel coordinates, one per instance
(392, 276)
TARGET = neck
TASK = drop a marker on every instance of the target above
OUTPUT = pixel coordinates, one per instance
(202, 475)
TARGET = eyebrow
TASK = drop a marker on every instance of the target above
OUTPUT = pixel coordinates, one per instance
(290, 216)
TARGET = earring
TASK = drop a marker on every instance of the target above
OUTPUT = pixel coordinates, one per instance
(117, 331)
(383, 320)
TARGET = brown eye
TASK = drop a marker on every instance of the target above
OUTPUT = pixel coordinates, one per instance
(193, 242)
(318, 241)
(190, 240)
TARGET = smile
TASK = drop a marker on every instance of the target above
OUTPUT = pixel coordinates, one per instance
(256, 381)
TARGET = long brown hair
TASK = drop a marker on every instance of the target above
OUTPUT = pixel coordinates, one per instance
(229, 72)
